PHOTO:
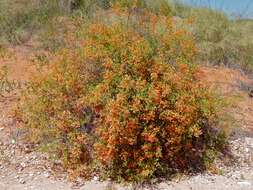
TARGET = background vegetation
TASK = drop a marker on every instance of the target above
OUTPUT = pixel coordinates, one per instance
(220, 40)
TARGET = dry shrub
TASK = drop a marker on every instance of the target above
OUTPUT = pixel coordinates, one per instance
(154, 114)
(130, 103)
(51, 113)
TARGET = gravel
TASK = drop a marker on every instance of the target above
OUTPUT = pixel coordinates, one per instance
(21, 169)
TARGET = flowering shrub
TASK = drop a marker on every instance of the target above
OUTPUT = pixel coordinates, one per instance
(154, 112)
(131, 103)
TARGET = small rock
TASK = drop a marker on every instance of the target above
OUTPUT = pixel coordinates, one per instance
(57, 162)
(22, 181)
(23, 165)
(249, 141)
(244, 183)
(27, 150)
(47, 175)
(95, 178)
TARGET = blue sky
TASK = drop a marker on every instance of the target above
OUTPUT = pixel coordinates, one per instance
(242, 8)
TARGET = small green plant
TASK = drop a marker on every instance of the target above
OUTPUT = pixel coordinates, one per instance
(7, 86)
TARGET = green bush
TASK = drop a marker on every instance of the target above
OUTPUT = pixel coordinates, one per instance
(220, 40)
